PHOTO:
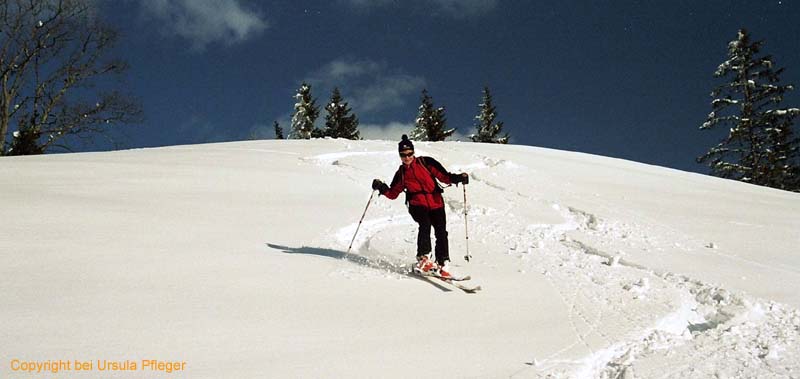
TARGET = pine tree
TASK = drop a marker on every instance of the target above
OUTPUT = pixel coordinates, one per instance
(430, 122)
(759, 147)
(339, 123)
(424, 118)
(278, 131)
(783, 156)
(488, 130)
(438, 131)
(305, 114)
(25, 141)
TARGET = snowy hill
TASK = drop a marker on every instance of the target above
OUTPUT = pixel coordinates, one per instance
(231, 258)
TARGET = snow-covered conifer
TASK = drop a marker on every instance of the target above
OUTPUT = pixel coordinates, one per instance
(783, 155)
(424, 115)
(488, 130)
(759, 146)
(339, 123)
(430, 122)
(305, 114)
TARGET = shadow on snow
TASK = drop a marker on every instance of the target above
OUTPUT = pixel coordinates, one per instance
(377, 264)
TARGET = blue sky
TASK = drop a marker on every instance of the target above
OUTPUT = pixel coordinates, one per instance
(628, 79)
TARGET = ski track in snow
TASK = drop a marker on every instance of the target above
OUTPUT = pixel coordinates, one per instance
(704, 312)
(694, 313)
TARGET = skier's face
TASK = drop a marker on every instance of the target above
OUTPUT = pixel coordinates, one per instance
(407, 156)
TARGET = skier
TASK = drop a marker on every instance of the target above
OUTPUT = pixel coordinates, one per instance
(417, 177)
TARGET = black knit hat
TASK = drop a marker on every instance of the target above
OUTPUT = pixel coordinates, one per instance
(405, 144)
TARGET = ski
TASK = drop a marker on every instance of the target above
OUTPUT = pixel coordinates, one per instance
(436, 275)
(462, 287)
(454, 283)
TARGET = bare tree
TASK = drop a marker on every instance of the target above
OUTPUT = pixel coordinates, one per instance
(55, 78)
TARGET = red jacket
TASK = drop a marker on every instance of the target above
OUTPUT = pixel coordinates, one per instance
(417, 180)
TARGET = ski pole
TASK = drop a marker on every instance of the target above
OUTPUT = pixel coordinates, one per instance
(466, 225)
(359, 223)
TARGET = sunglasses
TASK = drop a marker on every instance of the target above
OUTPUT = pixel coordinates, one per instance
(406, 155)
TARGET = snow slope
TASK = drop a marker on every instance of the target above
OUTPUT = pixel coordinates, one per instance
(231, 258)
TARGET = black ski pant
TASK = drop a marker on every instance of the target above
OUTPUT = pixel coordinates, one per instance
(436, 218)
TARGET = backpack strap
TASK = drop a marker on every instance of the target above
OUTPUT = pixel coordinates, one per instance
(438, 189)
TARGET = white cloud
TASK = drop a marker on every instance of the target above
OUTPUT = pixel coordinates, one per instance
(393, 130)
(342, 69)
(367, 85)
(370, 87)
(203, 22)
(389, 91)
(389, 132)
(453, 8)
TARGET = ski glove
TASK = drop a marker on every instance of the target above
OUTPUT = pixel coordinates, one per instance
(459, 178)
(379, 186)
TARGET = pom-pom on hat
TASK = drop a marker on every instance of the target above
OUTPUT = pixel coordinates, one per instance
(405, 144)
